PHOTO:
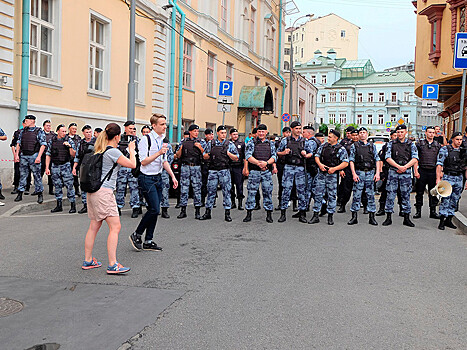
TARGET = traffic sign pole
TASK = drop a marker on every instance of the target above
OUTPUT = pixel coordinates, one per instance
(461, 112)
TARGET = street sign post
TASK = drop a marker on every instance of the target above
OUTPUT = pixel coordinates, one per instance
(225, 99)
(460, 61)
(428, 103)
(424, 128)
(401, 121)
(286, 117)
(430, 91)
(388, 124)
(429, 112)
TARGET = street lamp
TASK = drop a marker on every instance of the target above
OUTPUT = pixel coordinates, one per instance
(292, 64)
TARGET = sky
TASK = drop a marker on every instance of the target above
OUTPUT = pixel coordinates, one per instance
(388, 28)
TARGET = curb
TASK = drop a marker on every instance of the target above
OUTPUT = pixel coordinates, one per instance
(34, 207)
(461, 222)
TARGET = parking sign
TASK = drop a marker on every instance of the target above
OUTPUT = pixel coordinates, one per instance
(430, 91)
(460, 51)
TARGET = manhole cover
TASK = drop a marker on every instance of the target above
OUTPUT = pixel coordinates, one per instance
(9, 307)
(48, 346)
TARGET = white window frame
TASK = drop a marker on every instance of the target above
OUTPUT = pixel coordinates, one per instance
(212, 69)
(324, 79)
(253, 14)
(332, 96)
(370, 97)
(106, 46)
(369, 119)
(359, 119)
(343, 118)
(229, 71)
(380, 119)
(313, 79)
(381, 97)
(187, 58)
(140, 82)
(343, 96)
(393, 96)
(224, 14)
(332, 118)
(323, 98)
(359, 97)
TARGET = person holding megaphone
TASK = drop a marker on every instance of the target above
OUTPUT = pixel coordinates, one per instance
(450, 167)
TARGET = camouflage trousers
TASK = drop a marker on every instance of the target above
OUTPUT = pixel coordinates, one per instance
(366, 183)
(402, 181)
(222, 177)
(124, 178)
(62, 176)
(448, 205)
(190, 174)
(325, 184)
(254, 180)
(27, 163)
(165, 189)
(310, 183)
(291, 173)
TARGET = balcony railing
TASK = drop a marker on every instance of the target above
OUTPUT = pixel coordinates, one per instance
(392, 103)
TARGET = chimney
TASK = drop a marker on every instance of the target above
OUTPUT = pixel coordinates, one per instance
(332, 54)
(317, 54)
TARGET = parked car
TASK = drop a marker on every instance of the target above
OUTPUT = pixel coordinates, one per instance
(379, 141)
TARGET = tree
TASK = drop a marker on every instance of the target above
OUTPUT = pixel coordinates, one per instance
(324, 129)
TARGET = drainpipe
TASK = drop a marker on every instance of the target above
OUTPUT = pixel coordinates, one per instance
(279, 64)
(170, 120)
(23, 109)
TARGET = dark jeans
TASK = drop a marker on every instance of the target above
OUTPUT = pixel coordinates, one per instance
(427, 177)
(345, 187)
(151, 187)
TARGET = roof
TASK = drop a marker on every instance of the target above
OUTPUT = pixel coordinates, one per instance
(378, 78)
(333, 14)
(355, 64)
(325, 62)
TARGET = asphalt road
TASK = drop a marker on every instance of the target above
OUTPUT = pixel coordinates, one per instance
(268, 286)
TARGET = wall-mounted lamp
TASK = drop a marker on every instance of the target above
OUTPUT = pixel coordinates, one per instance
(430, 77)
(419, 81)
(444, 73)
(3, 80)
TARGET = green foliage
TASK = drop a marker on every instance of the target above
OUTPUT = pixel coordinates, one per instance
(324, 129)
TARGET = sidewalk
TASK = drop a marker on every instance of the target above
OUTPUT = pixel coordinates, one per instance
(460, 218)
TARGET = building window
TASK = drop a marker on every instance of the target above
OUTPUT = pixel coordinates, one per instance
(323, 98)
(332, 118)
(302, 37)
(313, 79)
(187, 64)
(98, 51)
(140, 52)
(273, 45)
(370, 97)
(332, 96)
(406, 118)
(229, 71)
(343, 118)
(252, 28)
(301, 50)
(343, 96)
(393, 118)
(224, 14)
(393, 96)
(289, 38)
(434, 14)
(462, 19)
(286, 65)
(369, 119)
(210, 74)
(42, 32)
(324, 79)
(380, 119)
(276, 106)
(359, 119)
(257, 81)
(359, 97)
(406, 96)
(381, 97)
(342, 33)
(287, 51)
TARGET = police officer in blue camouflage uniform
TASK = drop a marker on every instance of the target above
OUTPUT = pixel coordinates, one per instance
(220, 152)
(310, 164)
(261, 156)
(47, 127)
(165, 177)
(344, 190)
(86, 145)
(401, 155)
(280, 164)
(190, 152)
(73, 135)
(2, 138)
(331, 157)
(365, 167)
(208, 136)
(59, 152)
(450, 167)
(236, 170)
(294, 148)
(125, 177)
(31, 145)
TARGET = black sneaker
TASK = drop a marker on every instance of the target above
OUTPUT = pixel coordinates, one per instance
(152, 246)
(136, 241)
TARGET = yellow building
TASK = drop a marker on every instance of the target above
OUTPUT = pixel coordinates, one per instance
(437, 24)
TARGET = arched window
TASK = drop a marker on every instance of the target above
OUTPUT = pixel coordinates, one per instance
(286, 65)
(245, 25)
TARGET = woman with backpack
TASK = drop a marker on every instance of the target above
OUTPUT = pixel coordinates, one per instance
(102, 205)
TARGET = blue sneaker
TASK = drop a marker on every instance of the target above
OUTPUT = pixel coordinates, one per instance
(91, 265)
(117, 269)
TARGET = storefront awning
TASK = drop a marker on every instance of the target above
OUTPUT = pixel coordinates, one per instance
(258, 97)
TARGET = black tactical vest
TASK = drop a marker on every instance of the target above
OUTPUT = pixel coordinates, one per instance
(401, 152)
(454, 164)
(49, 136)
(428, 154)
(219, 158)
(347, 144)
(190, 153)
(29, 143)
(262, 152)
(329, 155)
(59, 153)
(239, 145)
(364, 156)
(85, 147)
(311, 166)
(296, 147)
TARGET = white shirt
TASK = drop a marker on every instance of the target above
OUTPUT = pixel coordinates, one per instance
(155, 167)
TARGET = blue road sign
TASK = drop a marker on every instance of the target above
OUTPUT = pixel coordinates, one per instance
(285, 117)
(424, 127)
(226, 88)
(430, 91)
(460, 51)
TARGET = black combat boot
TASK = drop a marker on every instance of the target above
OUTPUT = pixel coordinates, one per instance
(140, 210)
(448, 222)
(418, 212)
(371, 220)
(34, 193)
(1, 195)
(197, 213)
(15, 191)
(227, 216)
(354, 219)
(73, 208)
(178, 204)
(134, 213)
(257, 206)
(324, 210)
(278, 206)
(40, 198)
(433, 213)
(84, 209)
(380, 212)
(315, 218)
(269, 216)
(294, 205)
(302, 217)
(19, 197)
(182, 213)
(58, 208)
(207, 215)
(388, 220)
(330, 219)
(248, 216)
(234, 204)
(165, 213)
(365, 210)
(296, 215)
(283, 216)
(240, 204)
(341, 209)
(441, 223)
(407, 221)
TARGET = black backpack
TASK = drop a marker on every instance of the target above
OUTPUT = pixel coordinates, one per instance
(136, 171)
(91, 172)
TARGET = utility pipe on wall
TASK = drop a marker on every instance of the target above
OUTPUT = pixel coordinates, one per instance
(23, 108)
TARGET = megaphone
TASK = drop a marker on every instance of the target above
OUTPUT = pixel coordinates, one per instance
(442, 189)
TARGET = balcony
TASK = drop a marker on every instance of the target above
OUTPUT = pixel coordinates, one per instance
(393, 104)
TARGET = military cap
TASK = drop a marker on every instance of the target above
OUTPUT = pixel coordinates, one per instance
(319, 134)
(193, 127)
(350, 128)
(354, 131)
(254, 131)
(262, 127)
(392, 132)
(86, 127)
(46, 121)
(335, 132)
(286, 129)
(308, 127)
(362, 129)
(30, 116)
(401, 127)
(186, 133)
(457, 133)
(295, 124)
(72, 124)
(129, 122)
(98, 129)
(221, 127)
(233, 130)
(208, 131)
